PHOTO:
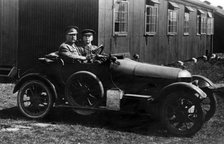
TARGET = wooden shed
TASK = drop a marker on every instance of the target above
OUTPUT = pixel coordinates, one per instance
(160, 31)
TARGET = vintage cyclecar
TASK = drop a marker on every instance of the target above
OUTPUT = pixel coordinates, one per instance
(112, 82)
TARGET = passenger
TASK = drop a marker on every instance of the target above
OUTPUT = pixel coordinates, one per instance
(87, 37)
(68, 49)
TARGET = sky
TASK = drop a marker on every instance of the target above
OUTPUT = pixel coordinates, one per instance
(216, 2)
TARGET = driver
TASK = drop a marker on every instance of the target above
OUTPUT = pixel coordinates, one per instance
(87, 37)
(68, 50)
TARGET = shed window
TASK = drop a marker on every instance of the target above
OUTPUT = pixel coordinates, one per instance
(121, 17)
(187, 19)
(210, 24)
(172, 18)
(201, 22)
(186, 23)
(151, 17)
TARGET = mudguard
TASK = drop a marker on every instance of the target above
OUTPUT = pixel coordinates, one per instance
(203, 81)
(182, 86)
(36, 76)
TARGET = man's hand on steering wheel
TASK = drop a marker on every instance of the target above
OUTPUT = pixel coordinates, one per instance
(98, 50)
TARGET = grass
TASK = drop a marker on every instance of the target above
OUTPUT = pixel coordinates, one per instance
(64, 127)
(213, 70)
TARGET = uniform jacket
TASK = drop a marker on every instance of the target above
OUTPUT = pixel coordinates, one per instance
(70, 51)
(89, 49)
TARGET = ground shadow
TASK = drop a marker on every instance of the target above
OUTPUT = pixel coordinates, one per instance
(143, 125)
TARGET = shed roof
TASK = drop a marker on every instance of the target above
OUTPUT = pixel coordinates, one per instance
(219, 11)
(199, 3)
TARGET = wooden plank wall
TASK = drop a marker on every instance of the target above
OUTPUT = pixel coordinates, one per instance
(42, 24)
(8, 32)
(218, 34)
(159, 48)
(113, 44)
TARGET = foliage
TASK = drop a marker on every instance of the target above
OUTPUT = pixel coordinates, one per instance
(213, 70)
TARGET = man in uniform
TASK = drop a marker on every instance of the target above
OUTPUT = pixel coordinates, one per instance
(87, 35)
(68, 49)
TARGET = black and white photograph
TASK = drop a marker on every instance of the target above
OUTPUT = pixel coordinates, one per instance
(111, 71)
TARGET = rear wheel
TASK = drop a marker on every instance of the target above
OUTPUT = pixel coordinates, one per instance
(34, 99)
(181, 113)
(84, 90)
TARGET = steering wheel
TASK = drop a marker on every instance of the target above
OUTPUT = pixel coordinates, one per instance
(99, 49)
(97, 58)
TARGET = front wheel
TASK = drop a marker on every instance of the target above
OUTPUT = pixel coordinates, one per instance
(181, 113)
(34, 99)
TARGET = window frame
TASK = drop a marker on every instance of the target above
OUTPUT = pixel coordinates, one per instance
(198, 24)
(187, 23)
(153, 24)
(210, 24)
(186, 27)
(174, 27)
(201, 22)
(126, 25)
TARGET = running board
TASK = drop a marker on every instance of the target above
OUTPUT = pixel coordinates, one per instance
(100, 108)
(148, 97)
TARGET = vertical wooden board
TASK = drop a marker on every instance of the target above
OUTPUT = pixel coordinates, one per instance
(103, 36)
(137, 29)
(163, 49)
(108, 18)
(1, 48)
(209, 48)
(193, 34)
(151, 49)
(173, 51)
(101, 22)
(180, 43)
(163, 18)
(132, 38)
(106, 24)
(203, 46)
(9, 32)
(218, 34)
(138, 17)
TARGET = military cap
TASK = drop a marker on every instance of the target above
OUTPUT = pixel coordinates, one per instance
(88, 32)
(70, 30)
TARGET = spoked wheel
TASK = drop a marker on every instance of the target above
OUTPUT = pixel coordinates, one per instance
(84, 90)
(34, 99)
(181, 114)
(209, 104)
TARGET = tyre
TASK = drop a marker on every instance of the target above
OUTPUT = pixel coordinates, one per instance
(84, 90)
(34, 99)
(182, 114)
(209, 104)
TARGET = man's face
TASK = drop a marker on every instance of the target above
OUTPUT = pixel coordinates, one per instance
(87, 39)
(71, 38)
